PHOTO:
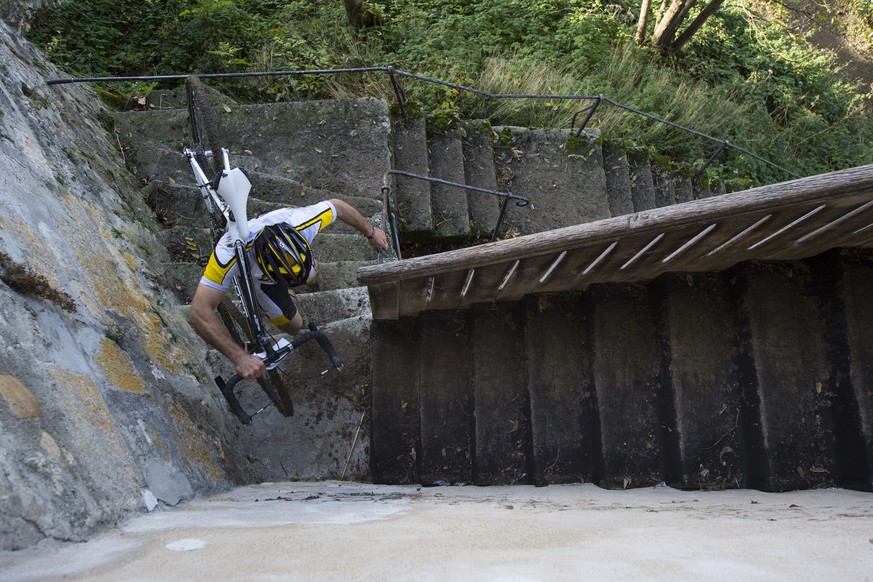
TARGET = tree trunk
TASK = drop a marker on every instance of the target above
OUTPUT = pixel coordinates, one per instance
(695, 25)
(354, 9)
(643, 22)
(668, 24)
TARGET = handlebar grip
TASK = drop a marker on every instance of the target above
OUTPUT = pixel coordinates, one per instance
(227, 390)
(325, 344)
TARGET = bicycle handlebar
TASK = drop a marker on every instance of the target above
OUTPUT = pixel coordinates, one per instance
(276, 356)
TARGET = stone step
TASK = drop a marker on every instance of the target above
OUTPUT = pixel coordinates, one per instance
(752, 378)
(566, 184)
(618, 181)
(395, 440)
(559, 390)
(451, 214)
(413, 196)
(500, 398)
(445, 400)
(479, 171)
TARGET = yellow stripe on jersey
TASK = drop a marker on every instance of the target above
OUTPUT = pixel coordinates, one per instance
(325, 218)
(216, 272)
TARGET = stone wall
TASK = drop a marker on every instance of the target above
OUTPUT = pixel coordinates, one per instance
(17, 12)
(105, 406)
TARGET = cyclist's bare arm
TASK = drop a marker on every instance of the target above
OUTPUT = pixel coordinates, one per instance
(351, 216)
(208, 326)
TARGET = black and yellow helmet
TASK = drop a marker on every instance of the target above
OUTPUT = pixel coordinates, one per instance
(283, 254)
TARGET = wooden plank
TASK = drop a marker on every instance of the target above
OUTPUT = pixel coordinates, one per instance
(857, 182)
(446, 398)
(385, 300)
(501, 400)
(394, 384)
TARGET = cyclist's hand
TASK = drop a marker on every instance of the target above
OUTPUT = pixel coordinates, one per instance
(249, 367)
(378, 240)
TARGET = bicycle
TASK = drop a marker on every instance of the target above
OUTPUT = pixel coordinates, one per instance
(226, 197)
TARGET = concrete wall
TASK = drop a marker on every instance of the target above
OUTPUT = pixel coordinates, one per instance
(105, 406)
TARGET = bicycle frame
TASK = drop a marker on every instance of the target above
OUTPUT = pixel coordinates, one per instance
(229, 195)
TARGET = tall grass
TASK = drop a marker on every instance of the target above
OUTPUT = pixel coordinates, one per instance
(742, 77)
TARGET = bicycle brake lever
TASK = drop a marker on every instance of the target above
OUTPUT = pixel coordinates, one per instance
(280, 345)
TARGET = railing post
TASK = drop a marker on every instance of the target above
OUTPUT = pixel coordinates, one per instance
(588, 117)
(500, 218)
(724, 144)
(398, 91)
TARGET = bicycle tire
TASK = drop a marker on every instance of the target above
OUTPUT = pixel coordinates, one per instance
(271, 383)
(203, 126)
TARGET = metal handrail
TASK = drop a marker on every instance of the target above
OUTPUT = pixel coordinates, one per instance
(400, 96)
(401, 99)
(520, 201)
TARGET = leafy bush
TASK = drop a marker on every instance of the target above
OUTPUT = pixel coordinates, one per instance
(742, 78)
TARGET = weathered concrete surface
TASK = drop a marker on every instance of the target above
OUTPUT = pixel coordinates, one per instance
(791, 364)
(501, 402)
(346, 531)
(396, 416)
(566, 185)
(327, 435)
(106, 408)
(558, 376)
(446, 399)
(338, 146)
(413, 195)
(451, 213)
(699, 345)
(479, 171)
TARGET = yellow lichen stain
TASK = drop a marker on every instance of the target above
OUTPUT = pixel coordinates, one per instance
(118, 368)
(21, 402)
(97, 434)
(190, 443)
(131, 260)
(113, 273)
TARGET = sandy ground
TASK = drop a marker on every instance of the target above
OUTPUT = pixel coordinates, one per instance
(346, 531)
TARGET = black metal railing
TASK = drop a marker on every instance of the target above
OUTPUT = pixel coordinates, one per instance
(400, 95)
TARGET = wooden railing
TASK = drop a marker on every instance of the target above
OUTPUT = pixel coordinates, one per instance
(790, 220)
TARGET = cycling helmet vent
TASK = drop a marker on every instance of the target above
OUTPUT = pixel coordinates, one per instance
(283, 254)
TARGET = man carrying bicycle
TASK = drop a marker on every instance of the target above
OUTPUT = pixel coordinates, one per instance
(280, 255)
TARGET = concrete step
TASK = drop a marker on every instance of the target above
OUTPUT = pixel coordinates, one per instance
(451, 214)
(642, 184)
(626, 371)
(618, 181)
(501, 401)
(413, 196)
(753, 378)
(479, 171)
(566, 185)
(395, 440)
(559, 389)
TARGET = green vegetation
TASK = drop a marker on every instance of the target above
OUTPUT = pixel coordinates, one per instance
(744, 77)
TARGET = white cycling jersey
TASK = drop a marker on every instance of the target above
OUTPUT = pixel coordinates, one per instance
(222, 265)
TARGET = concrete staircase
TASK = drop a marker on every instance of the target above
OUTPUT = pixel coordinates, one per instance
(756, 377)
(752, 377)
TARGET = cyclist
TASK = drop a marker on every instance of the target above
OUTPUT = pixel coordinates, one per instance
(279, 252)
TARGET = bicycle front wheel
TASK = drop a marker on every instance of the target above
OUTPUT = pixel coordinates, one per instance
(271, 383)
(202, 124)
